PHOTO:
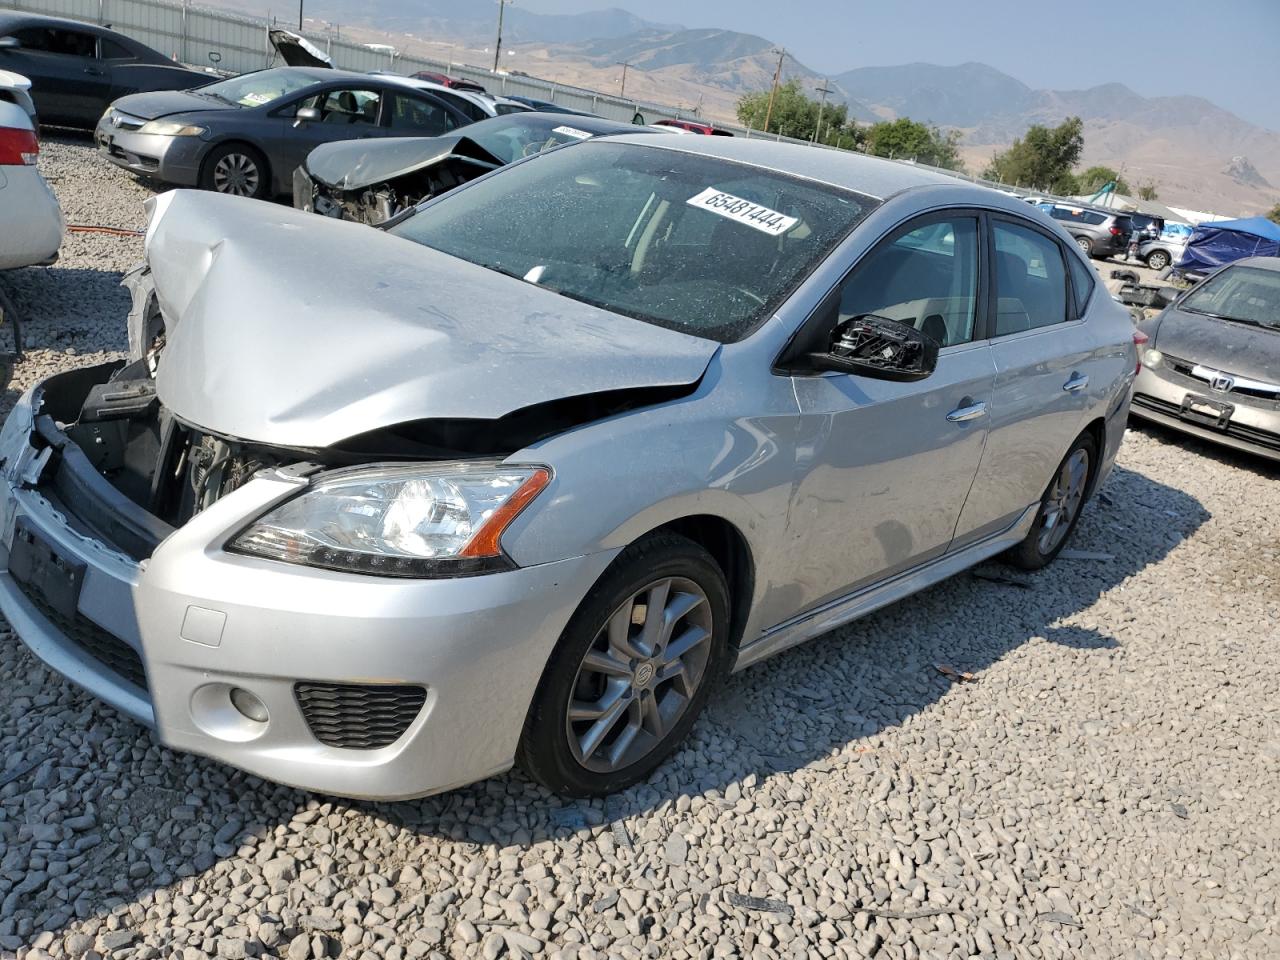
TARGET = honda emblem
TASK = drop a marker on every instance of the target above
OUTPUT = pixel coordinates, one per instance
(1222, 383)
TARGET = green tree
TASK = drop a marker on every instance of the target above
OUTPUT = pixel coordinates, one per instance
(1095, 178)
(907, 139)
(794, 114)
(1042, 158)
(1147, 191)
(1274, 215)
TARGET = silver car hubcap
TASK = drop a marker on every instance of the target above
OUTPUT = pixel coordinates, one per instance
(1064, 501)
(1084, 245)
(639, 675)
(236, 174)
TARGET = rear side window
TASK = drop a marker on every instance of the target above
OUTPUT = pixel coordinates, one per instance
(1094, 218)
(71, 43)
(1082, 282)
(1031, 280)
(420, 116)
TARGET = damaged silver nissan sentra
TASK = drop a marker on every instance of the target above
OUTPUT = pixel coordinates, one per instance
(524, 476)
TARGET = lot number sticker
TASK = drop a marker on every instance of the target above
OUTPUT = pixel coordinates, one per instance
(572, 132)
(744, 211)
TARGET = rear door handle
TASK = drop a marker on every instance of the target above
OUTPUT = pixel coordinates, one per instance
(1077, 383)
(968, 411)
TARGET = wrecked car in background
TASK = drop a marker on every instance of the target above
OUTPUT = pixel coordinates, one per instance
(1212, 364)
(571, 444)
(372, 182)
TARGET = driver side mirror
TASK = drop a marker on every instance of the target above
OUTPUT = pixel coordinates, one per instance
(880, 348)
(10, 43)
(306, 115)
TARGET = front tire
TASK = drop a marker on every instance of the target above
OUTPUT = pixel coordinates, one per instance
(1060, 507)
(632, 671)
(1157, 260)
(236, 169)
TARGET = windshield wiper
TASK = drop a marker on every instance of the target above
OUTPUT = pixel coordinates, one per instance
(214, 96)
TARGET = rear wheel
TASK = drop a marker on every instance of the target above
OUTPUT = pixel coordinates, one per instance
(1085, 244)
(632, 671)
(1157, 260)
(1059, 507)
(236, 169)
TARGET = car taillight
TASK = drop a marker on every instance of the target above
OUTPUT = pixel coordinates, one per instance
(1115, 231)
(18, 147)
(1140, 340)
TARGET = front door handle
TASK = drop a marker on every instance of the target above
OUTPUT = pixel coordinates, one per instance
(93, 71)
(968, 410)
(1077, 383)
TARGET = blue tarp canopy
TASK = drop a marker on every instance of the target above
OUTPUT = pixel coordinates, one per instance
(1224, 241)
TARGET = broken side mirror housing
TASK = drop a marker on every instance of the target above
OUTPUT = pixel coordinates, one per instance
(306, 115)
(877, 347)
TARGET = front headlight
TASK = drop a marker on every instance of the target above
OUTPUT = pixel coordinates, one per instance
(418, 520)
(1152, 358)
(173, 128)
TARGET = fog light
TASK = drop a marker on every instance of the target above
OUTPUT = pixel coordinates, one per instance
(248, 704)
(1152, 358)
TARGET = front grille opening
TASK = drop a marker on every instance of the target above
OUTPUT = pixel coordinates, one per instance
(358, 716)
(105, 647)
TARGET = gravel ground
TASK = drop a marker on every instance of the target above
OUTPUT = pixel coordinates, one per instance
(1106, 785)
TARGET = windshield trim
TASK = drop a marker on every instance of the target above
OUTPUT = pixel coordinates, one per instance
(867, 204)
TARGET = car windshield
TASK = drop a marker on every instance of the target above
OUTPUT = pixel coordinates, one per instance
(1242, 294)
(256, 89)
(516, 136)
(691, 243)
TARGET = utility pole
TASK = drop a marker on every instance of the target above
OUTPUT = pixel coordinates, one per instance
(299, 16)
(497, 47)
(817, 127)
(777, 75)
(624, 65)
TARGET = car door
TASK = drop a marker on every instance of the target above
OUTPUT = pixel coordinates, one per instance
(346, 113)
(884, 467)
(69, 82)
(1045, 360)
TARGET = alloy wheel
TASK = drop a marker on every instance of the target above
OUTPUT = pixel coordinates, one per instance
(639, 675)
(236, 174)
(1158, 261)
(1063, 501)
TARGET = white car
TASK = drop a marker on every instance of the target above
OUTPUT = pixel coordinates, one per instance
(31, 222)
(15, 88)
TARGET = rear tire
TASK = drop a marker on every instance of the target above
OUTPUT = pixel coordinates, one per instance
(615, 699)
(1060, 507)
(236, 169)
(1086, 245)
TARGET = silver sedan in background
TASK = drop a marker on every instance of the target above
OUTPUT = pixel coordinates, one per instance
(524, 476)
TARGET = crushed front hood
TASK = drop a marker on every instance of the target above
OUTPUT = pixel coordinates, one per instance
(294, 330)
(1236, 348)
(352, 164)
(163, 103)
(296, 50)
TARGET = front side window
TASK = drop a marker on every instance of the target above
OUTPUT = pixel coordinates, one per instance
(926, 278)
(1031, 279)
(348, 107)
(1242, 294)
(421, 117)
(692, 243)
(71, 43)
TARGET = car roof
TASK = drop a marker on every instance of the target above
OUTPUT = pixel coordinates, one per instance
(870, 176)
(1264, 263)
(14, 20)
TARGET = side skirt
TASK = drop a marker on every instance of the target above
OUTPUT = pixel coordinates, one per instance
(844, 609)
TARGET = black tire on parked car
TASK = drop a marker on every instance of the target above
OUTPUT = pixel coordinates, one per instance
(1060, 507)
(1085, 244)
(1157, 259)
(620, 692)
(238, 169)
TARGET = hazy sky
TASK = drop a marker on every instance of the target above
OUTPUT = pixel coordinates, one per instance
(1227, 51)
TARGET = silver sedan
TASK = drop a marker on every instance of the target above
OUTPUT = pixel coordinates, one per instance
(524, 476)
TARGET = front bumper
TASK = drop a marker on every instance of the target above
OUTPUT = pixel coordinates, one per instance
(200, 622)
(1253, 425)
(173, 160)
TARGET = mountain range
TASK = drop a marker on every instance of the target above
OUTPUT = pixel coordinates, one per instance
(1197, 153)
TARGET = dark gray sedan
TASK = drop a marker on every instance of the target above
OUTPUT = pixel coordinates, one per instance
(1212, 363)
(245, 136)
